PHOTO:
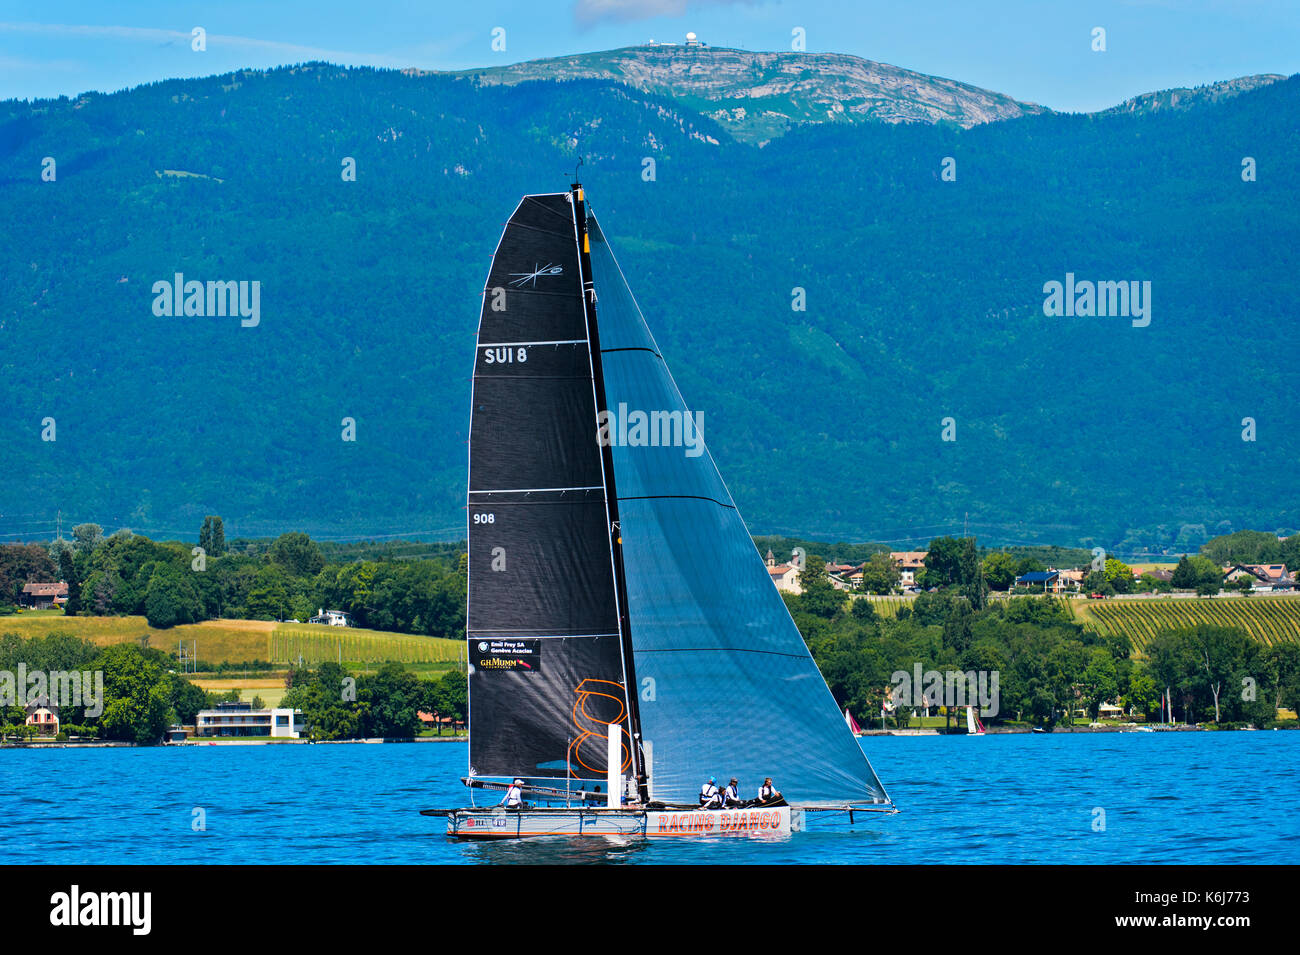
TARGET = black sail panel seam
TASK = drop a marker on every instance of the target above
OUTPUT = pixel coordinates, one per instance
(674, 497)
(773, 653)
(610, 351)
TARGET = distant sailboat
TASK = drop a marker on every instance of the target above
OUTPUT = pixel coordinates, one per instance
(854, 728)
(973, 725)
(605, 646)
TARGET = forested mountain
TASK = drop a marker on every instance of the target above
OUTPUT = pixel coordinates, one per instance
(924, 301)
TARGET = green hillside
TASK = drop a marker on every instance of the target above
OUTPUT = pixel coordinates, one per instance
(924, 301)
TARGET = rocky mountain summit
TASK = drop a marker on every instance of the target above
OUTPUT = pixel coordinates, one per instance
(1182, 97)
(758, 96)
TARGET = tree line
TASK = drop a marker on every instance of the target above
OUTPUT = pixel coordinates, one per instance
(1049, 665)
(171, 583)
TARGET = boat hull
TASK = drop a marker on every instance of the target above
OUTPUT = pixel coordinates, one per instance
(506, 824)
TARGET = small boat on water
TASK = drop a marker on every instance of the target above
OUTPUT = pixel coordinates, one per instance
(973, 725)
(852, 724)
(625, 640)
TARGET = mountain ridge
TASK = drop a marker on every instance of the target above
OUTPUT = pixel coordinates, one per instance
(761, 94)
(924, 301)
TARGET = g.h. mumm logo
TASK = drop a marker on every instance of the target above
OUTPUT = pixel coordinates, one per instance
(210, 298)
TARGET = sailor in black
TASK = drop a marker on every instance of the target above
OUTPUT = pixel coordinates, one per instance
(514, 798)
(767, 792)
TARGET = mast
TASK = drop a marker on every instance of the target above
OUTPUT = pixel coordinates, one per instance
(611, 493)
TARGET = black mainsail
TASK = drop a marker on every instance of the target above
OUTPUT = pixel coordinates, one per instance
(612, 580)
(547, 673)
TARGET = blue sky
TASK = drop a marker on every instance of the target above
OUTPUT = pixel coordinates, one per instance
(1036, 50)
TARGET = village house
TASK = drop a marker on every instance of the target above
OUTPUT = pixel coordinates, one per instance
(44, 596)
(332, 618)
(43, 715)
(909, 564)
(1266, 577)
(785, 576)
(838, 574)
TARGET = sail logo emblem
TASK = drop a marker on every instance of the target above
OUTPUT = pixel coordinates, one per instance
(505, 655)
(530, 278)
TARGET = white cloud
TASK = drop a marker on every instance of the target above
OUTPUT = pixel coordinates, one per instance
(163, 37)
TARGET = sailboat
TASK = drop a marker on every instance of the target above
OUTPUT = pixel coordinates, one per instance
(852, 724)
(973, 725)
(625, 640)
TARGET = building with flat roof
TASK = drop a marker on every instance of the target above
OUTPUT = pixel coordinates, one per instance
(240, 719)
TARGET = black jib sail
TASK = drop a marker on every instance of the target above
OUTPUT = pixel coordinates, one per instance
(547, 674)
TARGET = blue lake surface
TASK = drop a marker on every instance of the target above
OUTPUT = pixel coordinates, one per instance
(1184, 798)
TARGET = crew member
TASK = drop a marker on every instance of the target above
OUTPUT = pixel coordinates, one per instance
(731, 795)
(514, 798)
(710, 798)
(767, 792)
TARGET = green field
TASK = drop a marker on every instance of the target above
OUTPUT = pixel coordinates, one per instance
(888, 606)
(1267, 619)
(239, 641)
(316, 643)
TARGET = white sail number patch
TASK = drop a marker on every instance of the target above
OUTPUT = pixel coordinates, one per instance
(496, 355)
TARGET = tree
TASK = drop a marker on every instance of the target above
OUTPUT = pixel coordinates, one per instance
(1143, 693)
(298, 554)
(1097, 583)
(450, 696)
(185, 698)
(1223, 655)
(862, 609)
(137, 695)
(21, 564)
(819, 597)
(68, 571)
(1119, 575)
(212, 536)
(1198, 573)
(170, 598)
(87, 537)
(1000, 571)
(880, 574)
(954, 562)
(394, 697)
(1280, 665)
(1100, 680)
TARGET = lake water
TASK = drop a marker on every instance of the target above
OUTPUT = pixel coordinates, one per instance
(1167, 798)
